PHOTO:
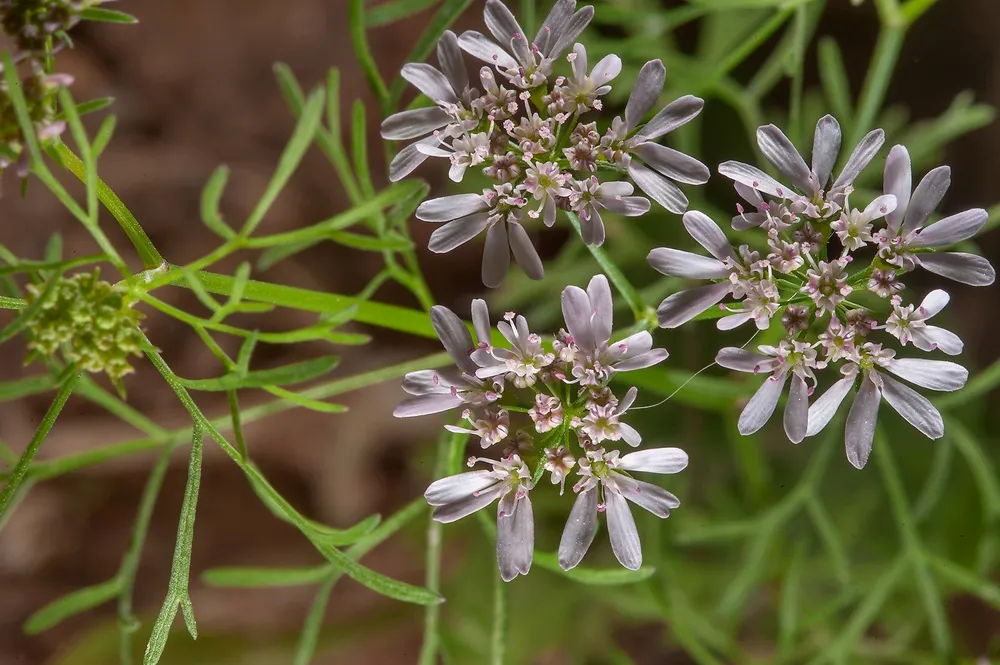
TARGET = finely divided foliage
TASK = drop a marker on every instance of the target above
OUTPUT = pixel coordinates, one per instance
(535, 134)
(540, 130)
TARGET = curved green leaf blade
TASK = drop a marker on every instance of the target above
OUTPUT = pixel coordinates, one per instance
(72, 604)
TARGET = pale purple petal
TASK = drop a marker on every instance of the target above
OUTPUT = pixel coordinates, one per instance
(675, 114)
(559, 15)
(673, 164)
(450, 512)
(450, 59)
(733, 321)
(678, 263)
(580, 530)
(652, 497)
(863, 153)
(621, 529)
(525, 252)
(496, 255)
(914, 407)
(861, 419)
(934, 302)
(796, 418)
(658, 188)
(427, 381)
(607, 69)
(645, 92)
(826, 149)
(933, 338)
(406, 161)
(683, 306)
(454, 337)
(430, 81)
(412, 124)
(569, 31)
(965, 268)
(707, 234)
(926, 198)
(629, 206)
(501, 22)
(951, 230)
(458, 232)
(742, 360)
(655, 460)
(447, 208)
(780, 151)
(592, 228)
(629, 434)
(577, 313)
(825, 407)
(457, 487)
(481, 320)
(516, 540)
(482, 47)
(642, 361)
(880, 207)
(599, 293)
(940, 375)
(425, 405)
(761, 406)
(898, 181)
(753, 177)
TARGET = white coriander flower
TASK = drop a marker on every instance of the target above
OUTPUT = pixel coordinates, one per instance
(854, 227)
(908, 325)
(583, 89)
(547, 413)
(559, 462)
(521, 364)
(509, 480)
(604, 474)
(603, 422)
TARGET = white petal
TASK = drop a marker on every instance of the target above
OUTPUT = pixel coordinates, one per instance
(880, 207)
(577, 312)
(897, 181)
(742, 360)
(481, 320)
(683, 306)
(450, 58)
(645, 92)
(567, 33)
(926, 198)
(430, 81)
(964, 268)
(678, 263)
(931, 374)
(673, 163)
(496, 255)
(429, 381)
(599, 293)
(826, 149)
(707, 234)
(425, 405)
(457, 487)
(860, 430)
(753, 177)
(560, 14)
(516, 540)
(641, 361)
(780, 151)
(652, 497)
(951, 230)
(621, 529)
(447, 208)
(454, 337)
(934, 302)
(501, 22)
(825, 407)
(607, 69)
(630, 435)
(524, 251)
(411, 124)
(933, 338)
(796, 418)
(760, 407)
(733, 321)
(863, 153)
(580, 530)
(914, 407)
(457, 232)
(629, 206)
(406, 161)
(658, 188)
(675, 114)
(482, 47)
(655, 460)
(449, 512)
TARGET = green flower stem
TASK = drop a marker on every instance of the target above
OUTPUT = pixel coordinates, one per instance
(12, 303)
(883, 63)
(356, 21)
(128, 623)
(17, 476)
(498, 638)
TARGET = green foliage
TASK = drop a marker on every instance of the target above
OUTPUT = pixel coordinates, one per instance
(819, 563)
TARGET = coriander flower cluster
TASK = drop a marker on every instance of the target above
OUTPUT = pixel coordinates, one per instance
(88, 320)
(831, 276)
(546, 406)
(537, 135)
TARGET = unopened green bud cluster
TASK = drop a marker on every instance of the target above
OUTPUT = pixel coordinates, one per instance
(90, 321)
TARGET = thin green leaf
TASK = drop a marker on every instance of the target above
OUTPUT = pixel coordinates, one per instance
(12, 303)
(964, 579)
(104, 134)
(32, 385)
(356, 22)
(791, 593)
(302, 137)
(866, 613)
(593, 576)
(830, 538)
(388, 243)
(980, 465)
(210, 197)
(314, 620)
(70, 605)
(236, 577)
(501, 623)
(349, 536)
(92, 105)
(285, 375)
(395, 10)
(836, 84)
(107, 15)
(305, 402)
(359, 149)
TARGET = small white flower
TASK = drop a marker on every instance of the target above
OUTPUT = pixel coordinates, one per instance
(491, 425)
(559, 462)
(602, 422)
(827, 284)
(547, 413)
(908, 325)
